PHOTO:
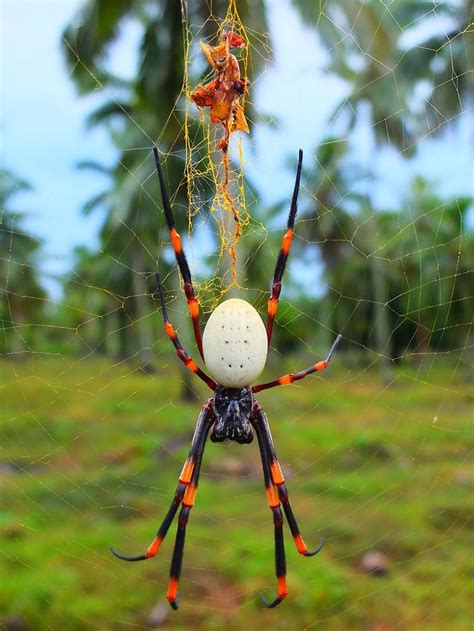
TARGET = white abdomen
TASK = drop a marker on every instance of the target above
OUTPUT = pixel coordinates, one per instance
(235, 344)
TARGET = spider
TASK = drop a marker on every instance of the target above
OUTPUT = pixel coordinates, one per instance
(234, 348)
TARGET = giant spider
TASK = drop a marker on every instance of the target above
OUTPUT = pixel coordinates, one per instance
(234, 348)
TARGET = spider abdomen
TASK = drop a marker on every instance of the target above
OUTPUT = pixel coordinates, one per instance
(235, 344)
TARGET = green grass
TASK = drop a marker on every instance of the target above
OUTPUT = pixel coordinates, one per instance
(90, 453)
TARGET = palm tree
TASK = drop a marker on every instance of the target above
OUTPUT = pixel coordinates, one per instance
(96, 307)
(364, 40)
(443, 60)
(141, 109)
(21, 294)
(433, 250)
(369, 49)
(126, 255)
(328, 223)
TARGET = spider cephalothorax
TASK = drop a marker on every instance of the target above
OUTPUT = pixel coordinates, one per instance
(234, 348)
(232, 407)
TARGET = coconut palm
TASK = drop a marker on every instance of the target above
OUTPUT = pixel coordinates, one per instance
(367, 50)
(137, 112)
(21, 294)
(326, 222)
(432, 249)
(96, 307)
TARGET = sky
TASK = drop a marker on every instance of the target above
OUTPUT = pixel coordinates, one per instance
(43, 135)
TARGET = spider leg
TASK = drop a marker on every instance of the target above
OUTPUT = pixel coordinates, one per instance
(193, 304)
(274, 505)
(187, 504)
(283, 255)
(185, 480)
(296, 376)
(171, 333)
(276, 475)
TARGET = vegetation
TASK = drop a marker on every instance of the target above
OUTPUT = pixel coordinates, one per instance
(371, 268)
(97, 419)
(21, 293)
(398, 282)
(369, 468)
(140, 109)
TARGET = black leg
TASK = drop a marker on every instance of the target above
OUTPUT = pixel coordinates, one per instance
(187, 504)
(185, 481)
(171, 333)
(193, 304)
(284, 380)
(274, 505)
(276, 475)
(283, 255)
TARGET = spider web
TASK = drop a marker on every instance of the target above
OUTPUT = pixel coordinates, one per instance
(375, 452)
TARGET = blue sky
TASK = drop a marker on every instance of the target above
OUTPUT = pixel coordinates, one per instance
(43, 133)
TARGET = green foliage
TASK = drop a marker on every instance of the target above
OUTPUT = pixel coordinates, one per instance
(367, 49)
(140, 109)
(396, 282)
(21, 294)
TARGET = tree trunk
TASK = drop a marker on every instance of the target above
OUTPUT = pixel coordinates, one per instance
(110, 325)
(101, 345)
(378, 279)
(144, 334)
(17, 340)
(87, 337)
(326, 328)
(123, 333)
(381, 324)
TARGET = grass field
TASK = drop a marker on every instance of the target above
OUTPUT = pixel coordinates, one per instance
(90, 453)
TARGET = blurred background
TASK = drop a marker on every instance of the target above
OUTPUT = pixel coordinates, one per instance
(96, 415)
